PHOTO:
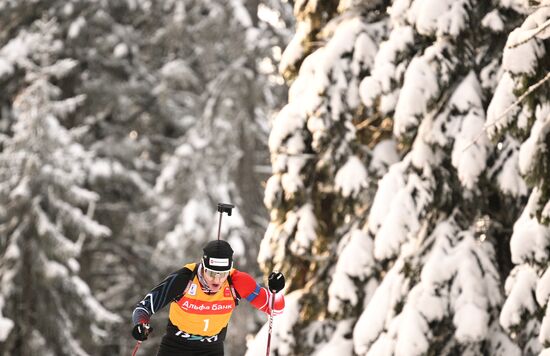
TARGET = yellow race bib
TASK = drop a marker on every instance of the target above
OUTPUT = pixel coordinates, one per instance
(198, 313)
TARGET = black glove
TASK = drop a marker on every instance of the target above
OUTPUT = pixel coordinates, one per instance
(276, 281)
(141, 331)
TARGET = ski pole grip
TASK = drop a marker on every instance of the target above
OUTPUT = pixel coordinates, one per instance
(225, 208)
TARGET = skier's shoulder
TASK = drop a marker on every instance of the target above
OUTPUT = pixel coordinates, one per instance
(189, 267)
(186, 272)
(239, 275)
(243, 282)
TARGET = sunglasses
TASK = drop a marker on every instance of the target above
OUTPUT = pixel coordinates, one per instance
(215, 274)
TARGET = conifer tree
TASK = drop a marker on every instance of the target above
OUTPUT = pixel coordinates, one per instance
(47, 210)
(151, 80)
(423, 271)
(520, 112)
(325, 167)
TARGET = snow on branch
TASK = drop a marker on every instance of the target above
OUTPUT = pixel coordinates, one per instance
(530, 90)
(531, 34)
(6, 324)
(76, 217)
(497, 120)
(58, 243)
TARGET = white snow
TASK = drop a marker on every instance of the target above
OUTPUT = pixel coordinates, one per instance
(345, 37)
(355, 260)
(536, 26)
(493, 21)
(522, 59)
(411, 334)
(281, 338)
(470, 150)
(384, 346)
(388, 186)
(6, 325)
(438, 267)
(241, 13)
(289, 120)
(351, 178)
(543, 288)
(384, 71)
(272, 191)
(441, 113)
(517, 5)
(501, 345)
(178, 72)
(544, 335)
(339, 344)
(305, 232)
(545, 213)
(83, 290)
(439, 17)
(497, 115)
(17, 49)
(6, 68)
(265, 252)
(294, 51)
(341, 290)
(401, 223)
(420, 85)
(471, 322)
(291, 181)
(519, 289)
(21, 190)
(52, 235)
(509, 179)
(530, 240)
(372, 321)
(76, 26)
(384, 154)
(532, 148)
(456, 259)
(364, 53)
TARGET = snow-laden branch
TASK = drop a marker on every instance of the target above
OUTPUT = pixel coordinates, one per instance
(530, 90)
(540, 29)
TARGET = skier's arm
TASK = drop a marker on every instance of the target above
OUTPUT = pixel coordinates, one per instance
(259, 297)
(167, 291)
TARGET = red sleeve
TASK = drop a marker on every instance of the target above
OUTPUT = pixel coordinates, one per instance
(259, 297)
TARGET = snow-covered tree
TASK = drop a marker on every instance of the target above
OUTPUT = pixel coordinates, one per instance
(421, 263)
(431, 208)
(47, 210)
(325, 161)
(154, 80)
(520, 112)
(217, 158)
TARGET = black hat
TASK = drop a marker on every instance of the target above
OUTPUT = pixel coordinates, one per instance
(218, 256)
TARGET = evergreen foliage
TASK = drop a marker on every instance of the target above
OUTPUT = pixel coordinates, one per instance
(47, 211)
(434, 112)
(122, 124)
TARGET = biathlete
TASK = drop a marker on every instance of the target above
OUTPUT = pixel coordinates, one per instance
(202, 297)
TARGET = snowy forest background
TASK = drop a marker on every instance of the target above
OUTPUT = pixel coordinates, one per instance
(391, 158)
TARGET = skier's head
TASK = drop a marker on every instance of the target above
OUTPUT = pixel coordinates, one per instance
(217, 261)
(218, 256)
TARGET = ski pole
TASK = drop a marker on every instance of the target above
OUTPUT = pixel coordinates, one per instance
(223, 208)
(136, 348)
(270, 324)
